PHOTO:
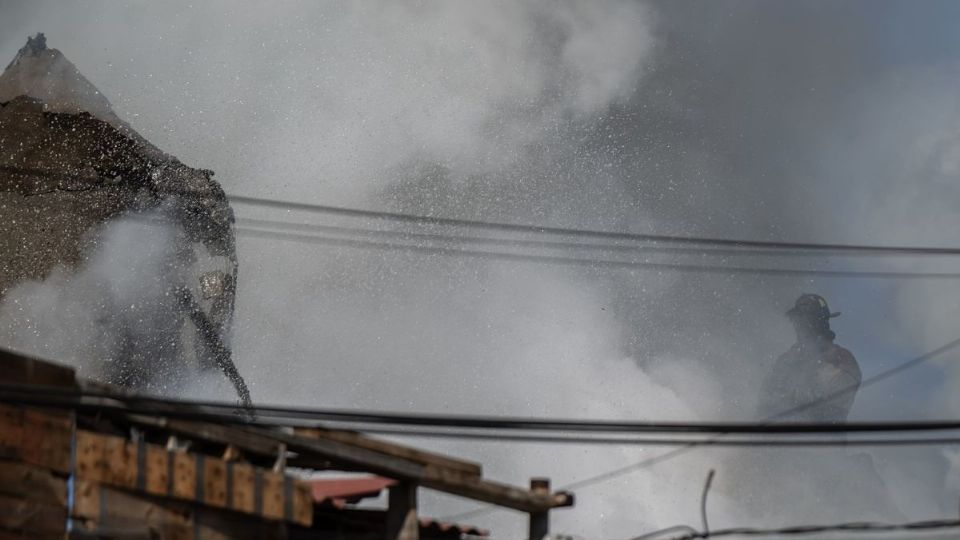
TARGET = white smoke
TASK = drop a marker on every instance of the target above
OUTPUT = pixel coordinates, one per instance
(119, 302)
(326, 103)
(327, 99)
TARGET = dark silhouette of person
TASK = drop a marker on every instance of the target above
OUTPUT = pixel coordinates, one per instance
(816, 380)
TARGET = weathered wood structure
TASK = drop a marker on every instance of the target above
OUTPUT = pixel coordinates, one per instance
(75, 180)
(72, 469)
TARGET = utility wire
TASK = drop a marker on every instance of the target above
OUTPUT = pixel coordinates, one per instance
(647, 463)
(541, 229)
(124, 406)
(501, 423)
(602, 263)
(703, 501)
(128, 405)
(677, 452)
(619, 246)
(757, 442)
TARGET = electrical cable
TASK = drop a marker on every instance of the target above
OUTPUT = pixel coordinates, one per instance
(757, 442)
(676, 452)
(604, 263)
(286, 226)
(121, 405)
(347, 416)
(540, 229)
(703, 501)
(104, 407)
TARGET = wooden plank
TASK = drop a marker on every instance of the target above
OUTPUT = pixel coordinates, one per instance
(497, 493)
(86, 499)
(46, 439)
(120, 465)
(158, 470)
(40, 437)
(244, 490)
(302, 503)
(22, 369)
(184, 475)
(90, 463)
(441, 478)
(102, 509)
(215, 482)
(362, 458)
(208, 432)
(11, 431)
(32, 483)
(265, 442)
(106, 458)
(114, 461)
(272, 495)
(434, 477)
(538, 526)
(393, 449)
(402, 521)
(32, 516)
(99, 510)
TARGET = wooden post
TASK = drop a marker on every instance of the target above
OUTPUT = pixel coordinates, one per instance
(402, 520)
(539, 521)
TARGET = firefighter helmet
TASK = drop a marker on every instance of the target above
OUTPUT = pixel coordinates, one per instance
(811, 306)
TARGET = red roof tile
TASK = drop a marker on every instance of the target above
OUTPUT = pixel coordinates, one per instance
(339, 491)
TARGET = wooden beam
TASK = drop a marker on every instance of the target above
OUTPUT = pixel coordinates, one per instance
(268, 442)
(500, 494)
(539, 521)
(41, 438)
(390, 448)
(191, 477)
(435, 477)
(208, 432)
(402, 521)
(348, 450)
(366, 459)
(18, 514)
(101, 511)
(22, 369)
(32, 483)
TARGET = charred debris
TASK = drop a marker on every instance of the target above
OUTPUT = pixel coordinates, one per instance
(68, 167)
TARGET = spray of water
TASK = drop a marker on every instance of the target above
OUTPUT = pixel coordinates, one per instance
(692, 118)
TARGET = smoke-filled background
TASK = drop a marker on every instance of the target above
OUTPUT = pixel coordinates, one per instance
(814, 121)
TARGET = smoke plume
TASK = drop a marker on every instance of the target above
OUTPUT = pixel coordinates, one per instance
(765, 120)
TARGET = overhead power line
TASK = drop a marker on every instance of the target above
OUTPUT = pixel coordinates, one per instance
(677, 452)
(581, 440)
(302, 415)
(656, 460)
(108, 403)
(635, 237)
(589, 262)
(499, 241)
